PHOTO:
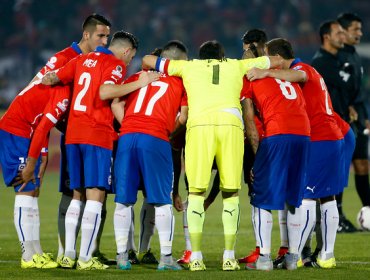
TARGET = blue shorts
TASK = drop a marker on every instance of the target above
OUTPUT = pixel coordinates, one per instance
(64, 181)
(349, 148)
(13, 155)
(147, 158)
(280, 171)
(325, 169)
(89, 166)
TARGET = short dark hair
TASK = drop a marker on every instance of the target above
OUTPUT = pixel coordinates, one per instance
(175, 44)
(280, 46)
(93, 20)
(254, 36)
(346, 19)
(125, 36)
(211, 50)
(325, 28)
(156, 52)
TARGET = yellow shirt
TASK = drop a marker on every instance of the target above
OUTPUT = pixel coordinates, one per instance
(213, 85)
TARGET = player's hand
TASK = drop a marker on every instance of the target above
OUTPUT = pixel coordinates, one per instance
(27, 175)
(177, 202)
(353, 116)
(256, 73)
(146, 77)
(43, 165)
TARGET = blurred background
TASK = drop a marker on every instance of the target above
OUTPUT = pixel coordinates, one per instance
(33, 30)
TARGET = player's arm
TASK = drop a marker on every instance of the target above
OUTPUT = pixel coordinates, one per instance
(149, 62)
(110, 91)
(118, 109)
(250, 125)
(289, 75)
(50, 79)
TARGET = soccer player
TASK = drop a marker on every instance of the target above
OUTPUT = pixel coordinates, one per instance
(144, 151)
(90, 133)
(283, 147)
(214, 130)
(326, 154)
(95, 32)
(16, 129)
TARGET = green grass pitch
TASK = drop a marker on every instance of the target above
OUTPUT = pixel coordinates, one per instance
(352, 251)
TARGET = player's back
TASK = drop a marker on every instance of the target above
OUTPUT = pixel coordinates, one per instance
(27, 108)
(318, 105)
(281, 106)
(152, 109)
(90, 119)
(212, 84)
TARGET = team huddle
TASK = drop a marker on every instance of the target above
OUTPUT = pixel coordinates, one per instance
(119, 135)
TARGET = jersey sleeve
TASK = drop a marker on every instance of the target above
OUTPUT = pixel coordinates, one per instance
(53, 112)
(184, 99)
(301, 67)
(113, 72)
(66, 73)
(55, 62)
(170, 67)
(247, 91)
(262, 62)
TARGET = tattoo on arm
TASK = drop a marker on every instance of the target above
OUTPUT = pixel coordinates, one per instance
(50, 78)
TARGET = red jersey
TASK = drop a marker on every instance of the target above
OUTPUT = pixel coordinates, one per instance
(318, 105)
(342, 124)
(60, 59)
(152, 109)
(281, 107)
(36, 100)
(90, 119)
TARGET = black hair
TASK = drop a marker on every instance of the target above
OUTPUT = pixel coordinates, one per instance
(212, 50)
(93, 20)
(280, 46)
(175, 44)
(125, 36)
(346, 19)
(156, 52)
(325, 28)
(254, 36)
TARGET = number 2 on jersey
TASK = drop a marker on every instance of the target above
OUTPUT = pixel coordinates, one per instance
(149, 108)
(84, 80)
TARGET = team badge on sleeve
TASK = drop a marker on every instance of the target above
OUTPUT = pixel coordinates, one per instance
(118, 71)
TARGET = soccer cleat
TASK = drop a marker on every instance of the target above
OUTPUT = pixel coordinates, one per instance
(101, 257)
(345, 226)
(185, 259)
(132, 257)
(168, 263)
(252, 257)
(310, 260)
(59, 259)
(230, 265)
(27, 264)
(300, 263)
(290, 261)
(329, 263)
(44, 261)
(67, 262)
(123, 262)
(197, 265)
(280, 257)
(263, 262)
(92, 264)
(147, 257)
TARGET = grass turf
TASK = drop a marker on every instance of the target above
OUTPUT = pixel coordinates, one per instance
(352, 251)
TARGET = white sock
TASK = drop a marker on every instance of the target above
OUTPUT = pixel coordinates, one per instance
(254, 226)
(294, 222)
(329, 226)
(308, 213)
(185, 225)
(165, 223)
(89, 228)
(147, 226)
(71, 225)
(23, 221)
(229, 254)
(36, 227)
(282, 216)
(103, 217)
(263, 221)
(131, 234)
(122, 221)
(63, 207)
